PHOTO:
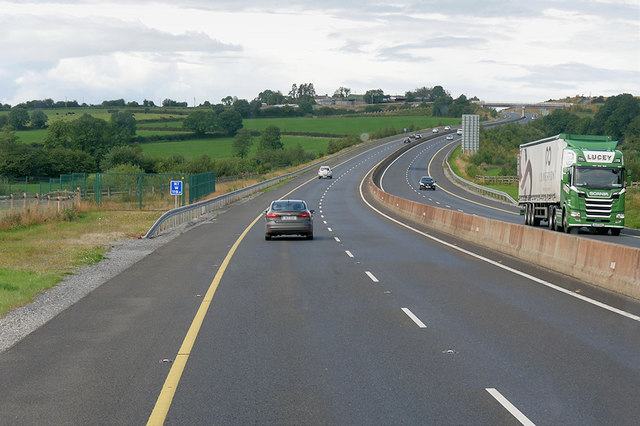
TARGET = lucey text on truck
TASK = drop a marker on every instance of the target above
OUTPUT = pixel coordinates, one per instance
(572, 181)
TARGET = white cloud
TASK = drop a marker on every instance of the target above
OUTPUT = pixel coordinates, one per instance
(97, 50)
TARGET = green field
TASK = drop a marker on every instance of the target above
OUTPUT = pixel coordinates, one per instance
(347, 125)
(31, 136)
(222, 147)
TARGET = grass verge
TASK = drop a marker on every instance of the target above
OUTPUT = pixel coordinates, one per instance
(36, 256)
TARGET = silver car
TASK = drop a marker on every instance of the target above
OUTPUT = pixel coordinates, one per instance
(325, 172)
(288, 217)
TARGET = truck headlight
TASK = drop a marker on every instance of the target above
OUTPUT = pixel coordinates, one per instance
(620, 216)
(575, 214)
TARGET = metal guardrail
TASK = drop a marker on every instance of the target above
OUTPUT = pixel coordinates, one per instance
(184, 214)
(482, 190)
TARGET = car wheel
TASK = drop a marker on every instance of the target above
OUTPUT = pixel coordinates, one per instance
(309, 236)
(267, 237)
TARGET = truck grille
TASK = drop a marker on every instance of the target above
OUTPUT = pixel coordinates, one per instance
(598, 207)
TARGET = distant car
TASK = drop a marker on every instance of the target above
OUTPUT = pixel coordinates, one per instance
(412, 136)
(325, 172)
(447, 127)
(418, 136)
(427, 182)
(459, 131)
(406, 140)
(288, 217)
(449, 137)
(435, 130)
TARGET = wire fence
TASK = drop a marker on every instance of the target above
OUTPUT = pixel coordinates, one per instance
(115, 191)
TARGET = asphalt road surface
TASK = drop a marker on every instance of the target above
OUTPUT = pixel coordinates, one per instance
(369, 323)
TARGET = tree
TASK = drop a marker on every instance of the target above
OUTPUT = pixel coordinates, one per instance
(123, 155)
(18, 118)
(172, 103)
(113, 103)
(230, 121)
(615, 115)
(38, 119)
(200, 121)
(342, 92)
(92, 135)
(254, 107)
(227, 100)
(441, 105)
(57, 135)
(270, 97)
(270, 139)
(242, 143)
(243, 108)
(293, 93)
(65, 161)
(438, 91)
(374, 96)
(124, 126)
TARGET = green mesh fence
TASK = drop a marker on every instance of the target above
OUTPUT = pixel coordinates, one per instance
(201, 185)
(148, 191)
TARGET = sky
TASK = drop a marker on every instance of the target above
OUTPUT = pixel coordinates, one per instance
(198, 50)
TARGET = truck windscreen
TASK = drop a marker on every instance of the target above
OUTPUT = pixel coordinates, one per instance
(598, 177)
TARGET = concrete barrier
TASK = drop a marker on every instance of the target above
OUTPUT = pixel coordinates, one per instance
(610, 266)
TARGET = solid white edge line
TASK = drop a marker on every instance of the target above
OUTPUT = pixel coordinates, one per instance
(510, 407)
(499, 265)
(414, 318)
(370, 275)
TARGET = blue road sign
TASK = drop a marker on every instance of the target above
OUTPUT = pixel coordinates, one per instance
(176, 187)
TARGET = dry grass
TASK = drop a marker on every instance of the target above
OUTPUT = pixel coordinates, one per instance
(59, 246)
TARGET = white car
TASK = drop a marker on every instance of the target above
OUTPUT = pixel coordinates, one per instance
(325, 172)
(447, 127)
(435, 130)
(449, 137)
(459, 131)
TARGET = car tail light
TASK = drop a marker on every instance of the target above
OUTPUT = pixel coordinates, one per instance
(273, 215)
(304, 214)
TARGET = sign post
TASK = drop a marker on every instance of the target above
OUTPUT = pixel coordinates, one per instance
(176, 189)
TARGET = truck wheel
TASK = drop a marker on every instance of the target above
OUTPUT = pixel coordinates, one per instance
(526, 214)
(534, 220)
(550, 217)
(615, 231)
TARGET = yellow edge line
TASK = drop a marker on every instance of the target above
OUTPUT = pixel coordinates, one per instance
(163, 403)
(462, 198)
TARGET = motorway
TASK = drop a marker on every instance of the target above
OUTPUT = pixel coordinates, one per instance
(369, 323)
